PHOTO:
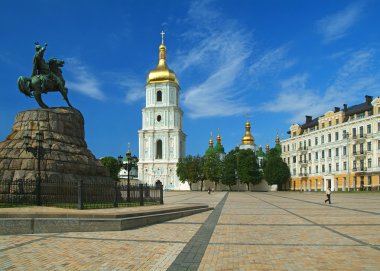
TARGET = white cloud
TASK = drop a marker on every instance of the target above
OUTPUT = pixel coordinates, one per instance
(357, 77)
(135, 89)
(336, 26)
(82, 80)
(271, 62)
(218, 56)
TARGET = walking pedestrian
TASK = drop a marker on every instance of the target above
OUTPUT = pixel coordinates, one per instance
(209, 190)
(328, 194)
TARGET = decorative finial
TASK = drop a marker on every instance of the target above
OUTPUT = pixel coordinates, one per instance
(162, 36)
(129, 147)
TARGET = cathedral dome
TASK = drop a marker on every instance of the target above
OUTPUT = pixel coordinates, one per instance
(248, 138)
(161, 73)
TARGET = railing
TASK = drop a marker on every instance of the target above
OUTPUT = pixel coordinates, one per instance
(78, 194)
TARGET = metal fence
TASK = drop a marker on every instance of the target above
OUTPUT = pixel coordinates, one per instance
(78, 194)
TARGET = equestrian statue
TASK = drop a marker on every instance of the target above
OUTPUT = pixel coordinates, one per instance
(46, 77)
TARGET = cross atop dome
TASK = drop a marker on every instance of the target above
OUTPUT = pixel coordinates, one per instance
(162, 36)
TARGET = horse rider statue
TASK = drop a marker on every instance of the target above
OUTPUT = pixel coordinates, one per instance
(46, 77)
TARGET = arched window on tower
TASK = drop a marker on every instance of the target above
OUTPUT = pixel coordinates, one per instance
(159, 96)
(159, 149)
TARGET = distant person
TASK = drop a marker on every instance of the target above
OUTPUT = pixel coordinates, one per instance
(209, 190)
(328, 194)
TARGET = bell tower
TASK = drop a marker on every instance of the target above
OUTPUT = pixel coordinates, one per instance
(161, 140)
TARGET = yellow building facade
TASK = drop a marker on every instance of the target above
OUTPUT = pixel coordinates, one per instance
(340, 149)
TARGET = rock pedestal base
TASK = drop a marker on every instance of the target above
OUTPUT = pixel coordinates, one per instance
(67, 157)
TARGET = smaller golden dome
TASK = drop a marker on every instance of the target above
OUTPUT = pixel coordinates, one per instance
(211, 143)
(161, 73)
(267, 148)
(248, 138)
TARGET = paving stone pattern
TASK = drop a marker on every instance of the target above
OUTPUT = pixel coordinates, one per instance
(245, 231)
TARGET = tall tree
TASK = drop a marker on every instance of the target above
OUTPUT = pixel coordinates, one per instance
(276, 171)
(182, 170)
(230, 169)
(113, 166)
(199, 161)
(212, 167)
(247, 168)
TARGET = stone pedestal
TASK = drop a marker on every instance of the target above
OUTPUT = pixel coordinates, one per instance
(69, 158)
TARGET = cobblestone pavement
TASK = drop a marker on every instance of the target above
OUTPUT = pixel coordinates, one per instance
(245, 231)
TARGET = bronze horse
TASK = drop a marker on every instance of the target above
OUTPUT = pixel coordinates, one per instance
(44, 83)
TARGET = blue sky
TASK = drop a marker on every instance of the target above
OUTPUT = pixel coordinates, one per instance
(276, 60)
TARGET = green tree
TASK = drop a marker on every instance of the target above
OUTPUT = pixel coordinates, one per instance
(230, 168)
(276, 171)
(182, 169)
(212, 167)
(113, 166)
(247, 168)
(200, 176)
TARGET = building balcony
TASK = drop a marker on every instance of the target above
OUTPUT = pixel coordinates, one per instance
(359, 169)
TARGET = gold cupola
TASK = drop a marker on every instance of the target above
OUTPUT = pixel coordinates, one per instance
(211, 142)
(248, 138)
(161, 73)
(267, 148)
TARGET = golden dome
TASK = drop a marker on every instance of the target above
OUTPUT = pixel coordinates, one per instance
(161, 73)
(248, 138)
(267, 148)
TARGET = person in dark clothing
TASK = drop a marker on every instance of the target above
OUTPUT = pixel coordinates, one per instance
(328, 194)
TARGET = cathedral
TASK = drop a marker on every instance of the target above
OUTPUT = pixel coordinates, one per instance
(161, 139)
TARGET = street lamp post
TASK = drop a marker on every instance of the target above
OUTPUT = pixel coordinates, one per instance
(131, 162)
(38, 152)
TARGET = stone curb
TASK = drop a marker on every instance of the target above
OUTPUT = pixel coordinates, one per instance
(51, 224)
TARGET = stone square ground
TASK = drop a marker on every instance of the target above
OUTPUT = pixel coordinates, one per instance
(245, 231)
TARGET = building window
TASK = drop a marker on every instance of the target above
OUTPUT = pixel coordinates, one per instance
(344, 150)
(369, 162)
(159, 149)
(337, 121)
(159, 96)
(369, 180)
(344, 165)
(378, 126)
(336, 136)
(323, 168)
(354, 132)
(309, 142)
(330, 153)
(378, 144)
(159, 118)
(361, 131)
(354, 149)
(288, 147)
(329, 168)
(288, 160)
(316, 140)
(294, 159)
(337, 167)
(323, 125)
(322, 139)
(329, 122)
(316, 155)
(361, 148)
(337, 152)
(323, 154)
(369, 146)
(369, 129)
(316, 169)
(329, 137)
